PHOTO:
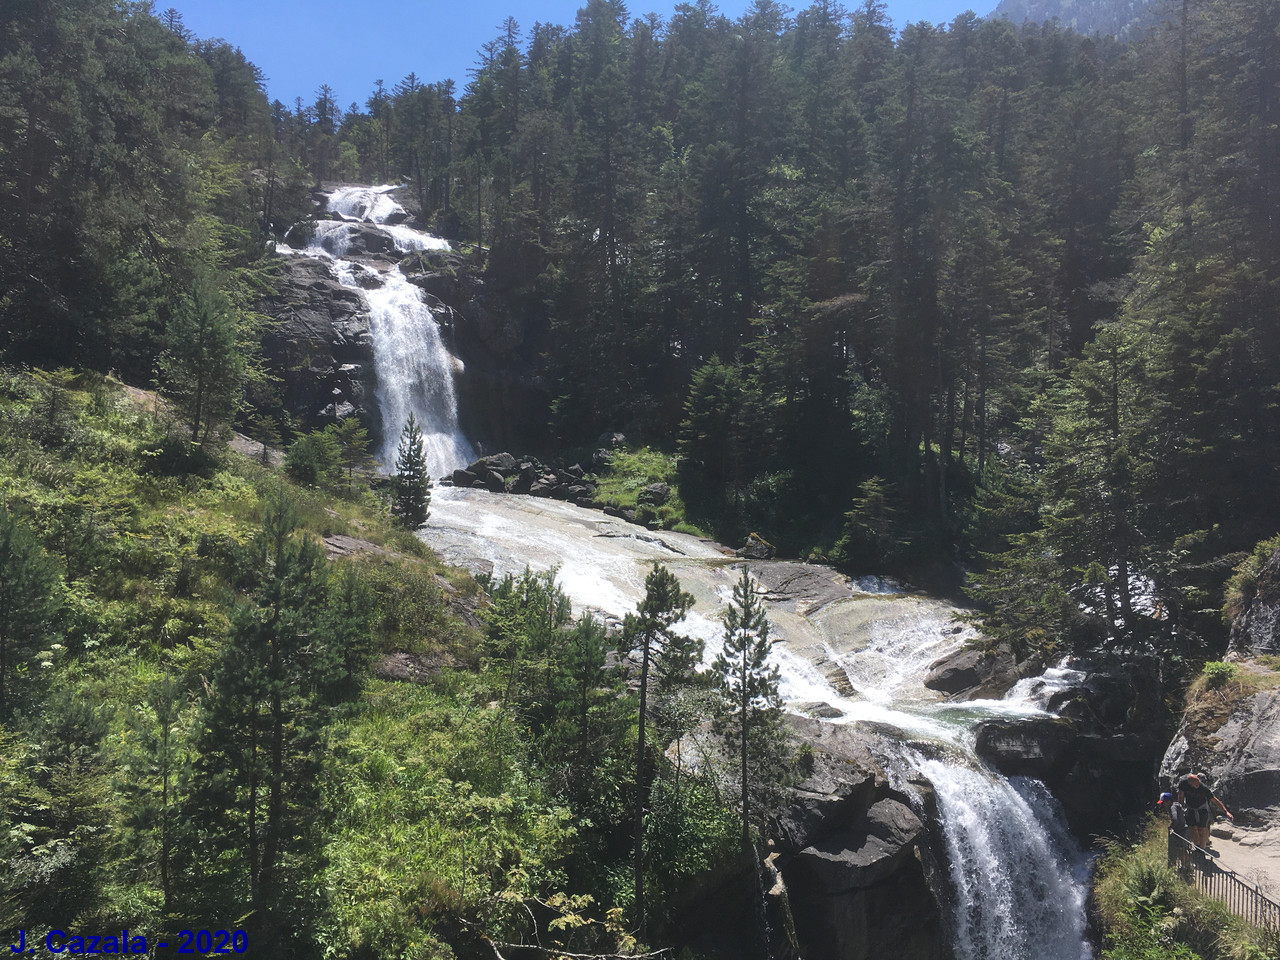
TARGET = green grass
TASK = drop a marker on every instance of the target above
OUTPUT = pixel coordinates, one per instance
(148, 547)
(629, 472)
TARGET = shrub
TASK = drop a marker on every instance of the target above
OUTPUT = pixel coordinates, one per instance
(313, 459)
(1218, 674)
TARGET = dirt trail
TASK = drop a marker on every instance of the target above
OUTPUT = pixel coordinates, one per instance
(1252, 852)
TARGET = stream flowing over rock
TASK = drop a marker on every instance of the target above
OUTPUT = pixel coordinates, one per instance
(903, 842)
(371, 308)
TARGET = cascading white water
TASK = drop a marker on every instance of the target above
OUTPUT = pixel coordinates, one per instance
(1018, 876)
(415, 369)
(1016, 879)
(415, 374)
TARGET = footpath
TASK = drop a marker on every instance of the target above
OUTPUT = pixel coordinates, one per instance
(1251, 852)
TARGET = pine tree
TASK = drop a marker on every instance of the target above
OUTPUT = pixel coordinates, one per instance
(353, 441)
(30, 597)
(749, 719)
(293, 648)
(412, 486)
(648, 633)
(203, 368)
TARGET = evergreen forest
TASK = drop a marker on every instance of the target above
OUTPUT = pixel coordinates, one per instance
(992, 308)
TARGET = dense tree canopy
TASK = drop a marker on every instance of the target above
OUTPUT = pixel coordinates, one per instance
(987, 304)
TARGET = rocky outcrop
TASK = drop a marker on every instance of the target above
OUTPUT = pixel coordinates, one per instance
(757, 547)
(1256, 628)
(851, 858)
(1102, 780)
(1234, 737)
(319, 345)
(969, 673)
(503, 473)
(502, 399)
(1231, 730)
(1097, 756)
(844, 877)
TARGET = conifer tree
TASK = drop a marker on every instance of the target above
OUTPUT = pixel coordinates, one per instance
(648, 633)
(203, 367)
(749, 718)
(412, 489)
(353, 442)
(293, 647)
(30, 596)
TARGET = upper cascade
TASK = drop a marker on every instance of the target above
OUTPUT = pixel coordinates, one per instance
(371, 204)
(414, 366)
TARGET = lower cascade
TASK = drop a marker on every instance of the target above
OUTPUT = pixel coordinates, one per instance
(415, 369)
(1017, 875)
(1014, 882)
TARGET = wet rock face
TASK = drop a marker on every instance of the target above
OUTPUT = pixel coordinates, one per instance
(319, 345)
(844, 877)
(864, 853)
(1102, 779)
(850, 855)
(1256, 630)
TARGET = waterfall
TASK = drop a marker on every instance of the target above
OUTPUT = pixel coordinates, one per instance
(415, 369)
(1016, 871)
(1018, 879)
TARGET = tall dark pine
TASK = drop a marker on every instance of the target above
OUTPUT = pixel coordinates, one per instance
(257, 763)
(648, 633)
(749, 686)
(30, 596)
(412, 491)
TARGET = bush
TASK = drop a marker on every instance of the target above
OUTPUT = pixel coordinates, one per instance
(176, 456)
(1218, 674)
(313, 459)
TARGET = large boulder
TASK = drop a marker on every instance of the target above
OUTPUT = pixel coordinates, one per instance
(1038, 747)
(959, 671)
(864, 853)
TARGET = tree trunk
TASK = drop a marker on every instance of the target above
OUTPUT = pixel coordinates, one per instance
(640, 792)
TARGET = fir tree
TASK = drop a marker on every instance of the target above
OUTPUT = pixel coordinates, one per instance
(30, 597)
(412, 489)
(203, 367)
(648, 633)
(749, 718)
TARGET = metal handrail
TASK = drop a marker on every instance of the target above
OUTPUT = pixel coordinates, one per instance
(1242, 897)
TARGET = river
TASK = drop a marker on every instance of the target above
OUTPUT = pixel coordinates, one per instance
(855, 652)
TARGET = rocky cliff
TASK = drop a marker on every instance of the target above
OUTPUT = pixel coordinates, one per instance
(1255, 629)
(319, 344)
(1231, 727)
(848, 873)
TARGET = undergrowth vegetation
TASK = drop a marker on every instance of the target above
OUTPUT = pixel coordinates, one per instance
(191, 736)
(1147, 911)
(622, 484)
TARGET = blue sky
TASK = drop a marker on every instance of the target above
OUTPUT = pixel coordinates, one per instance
(300, 44)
